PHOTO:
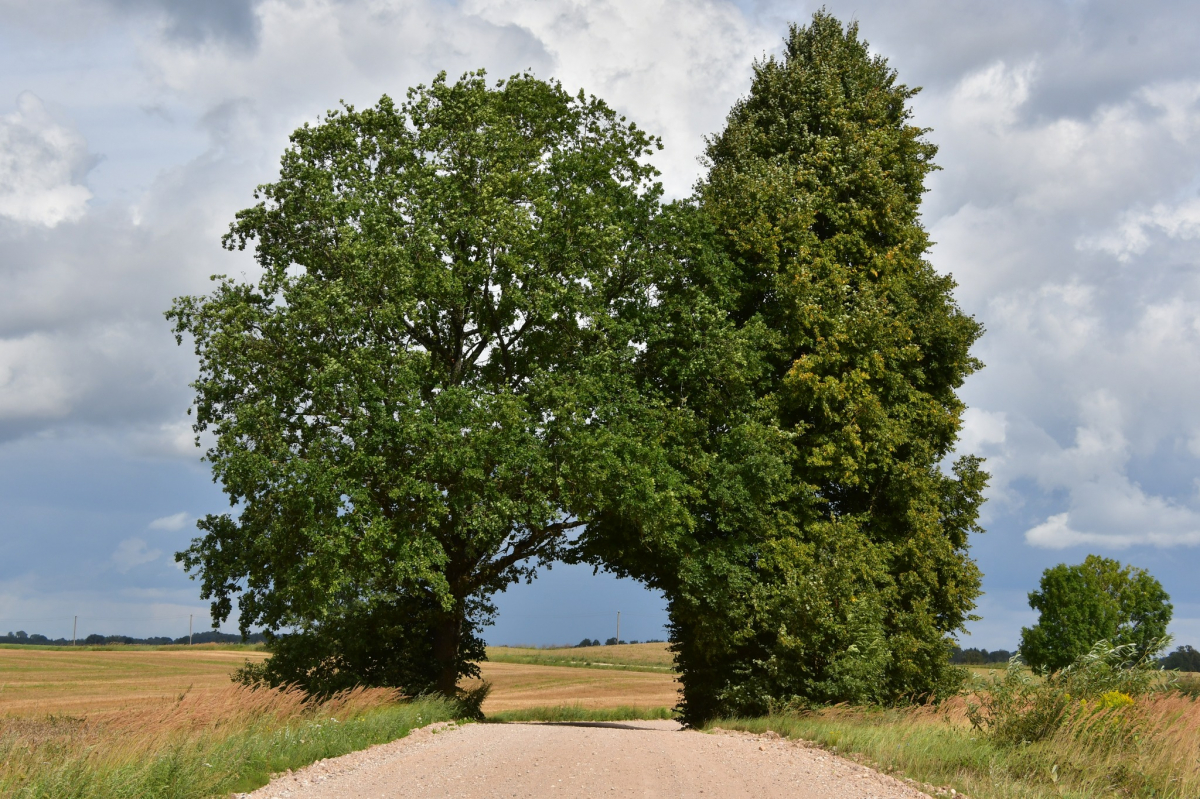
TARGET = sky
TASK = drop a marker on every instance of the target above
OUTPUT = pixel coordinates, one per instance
(1067, 208)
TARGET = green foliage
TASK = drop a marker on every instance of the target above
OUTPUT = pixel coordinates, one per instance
(1097, 600)
(408, 404)
(382, 645)
(1019, 708)
(807, 357)
(470, 702)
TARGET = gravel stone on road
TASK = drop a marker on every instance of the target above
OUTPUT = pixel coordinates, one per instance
(634, 758)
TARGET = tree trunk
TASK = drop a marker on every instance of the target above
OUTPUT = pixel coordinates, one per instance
(446, 634)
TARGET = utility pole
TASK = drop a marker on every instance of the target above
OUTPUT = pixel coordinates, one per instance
(190, 629)
(618, 626)
(74, 629)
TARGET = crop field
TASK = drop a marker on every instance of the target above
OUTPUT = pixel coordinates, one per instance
(136, 721)
(592, 678)
(631, 657)
(96, 682)
(518, 685)
(167, 721)
(89, 682)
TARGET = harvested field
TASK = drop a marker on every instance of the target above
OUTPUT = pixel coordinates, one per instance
(96, 682)
(518, 685)
(637, 657)
(143, 721)
(99, 682)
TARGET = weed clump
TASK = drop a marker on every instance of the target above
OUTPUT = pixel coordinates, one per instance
(1111, 724)
(1091, 693)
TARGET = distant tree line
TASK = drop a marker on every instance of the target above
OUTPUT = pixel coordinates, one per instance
(207, 637)
(1185, 658)
(978, 657)
(613, 640)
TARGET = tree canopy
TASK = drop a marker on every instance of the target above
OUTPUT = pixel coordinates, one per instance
(407, 402)
(480, 344)
(1097, 600)
(810, 355)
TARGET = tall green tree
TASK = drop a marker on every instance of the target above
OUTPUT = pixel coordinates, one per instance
(409, 404)
(811, 356)
(1097, 600)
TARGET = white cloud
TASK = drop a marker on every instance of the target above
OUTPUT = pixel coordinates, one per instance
(673, 66)
(1133, 234)
(981, 430)
(133, 552)
(170, 440)
(42, 164)
(1002, 155)
(992, 97)
(1057, 533)
(175, 521)
(1055, 320)
(1107, 509)
(676, 66)
(1072, 234)
(30, 383)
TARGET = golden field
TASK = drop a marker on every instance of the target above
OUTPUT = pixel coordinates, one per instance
(85, 682)
(130, 721)
(629, 657)
(112, 722)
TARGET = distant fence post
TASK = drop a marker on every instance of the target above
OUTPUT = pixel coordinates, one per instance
(189, 629)
(618, 626)
(74, 629)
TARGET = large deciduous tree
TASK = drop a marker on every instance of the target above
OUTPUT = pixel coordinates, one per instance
(409, 402)
(811, 356)
(1097, 600)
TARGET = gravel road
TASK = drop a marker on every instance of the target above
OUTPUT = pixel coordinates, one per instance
(635, 758)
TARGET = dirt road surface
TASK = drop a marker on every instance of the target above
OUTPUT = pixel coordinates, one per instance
(617, 759)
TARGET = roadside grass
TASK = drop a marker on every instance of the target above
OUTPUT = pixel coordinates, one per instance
(201, 745)
(578, 713)
(1149, 749)
(625, 657)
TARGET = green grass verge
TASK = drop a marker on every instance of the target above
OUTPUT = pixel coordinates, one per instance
(211, 765)
(579, 713)
(939, 755)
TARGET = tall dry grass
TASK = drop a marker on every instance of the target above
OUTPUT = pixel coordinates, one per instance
(1148, 749)
(197, 745)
